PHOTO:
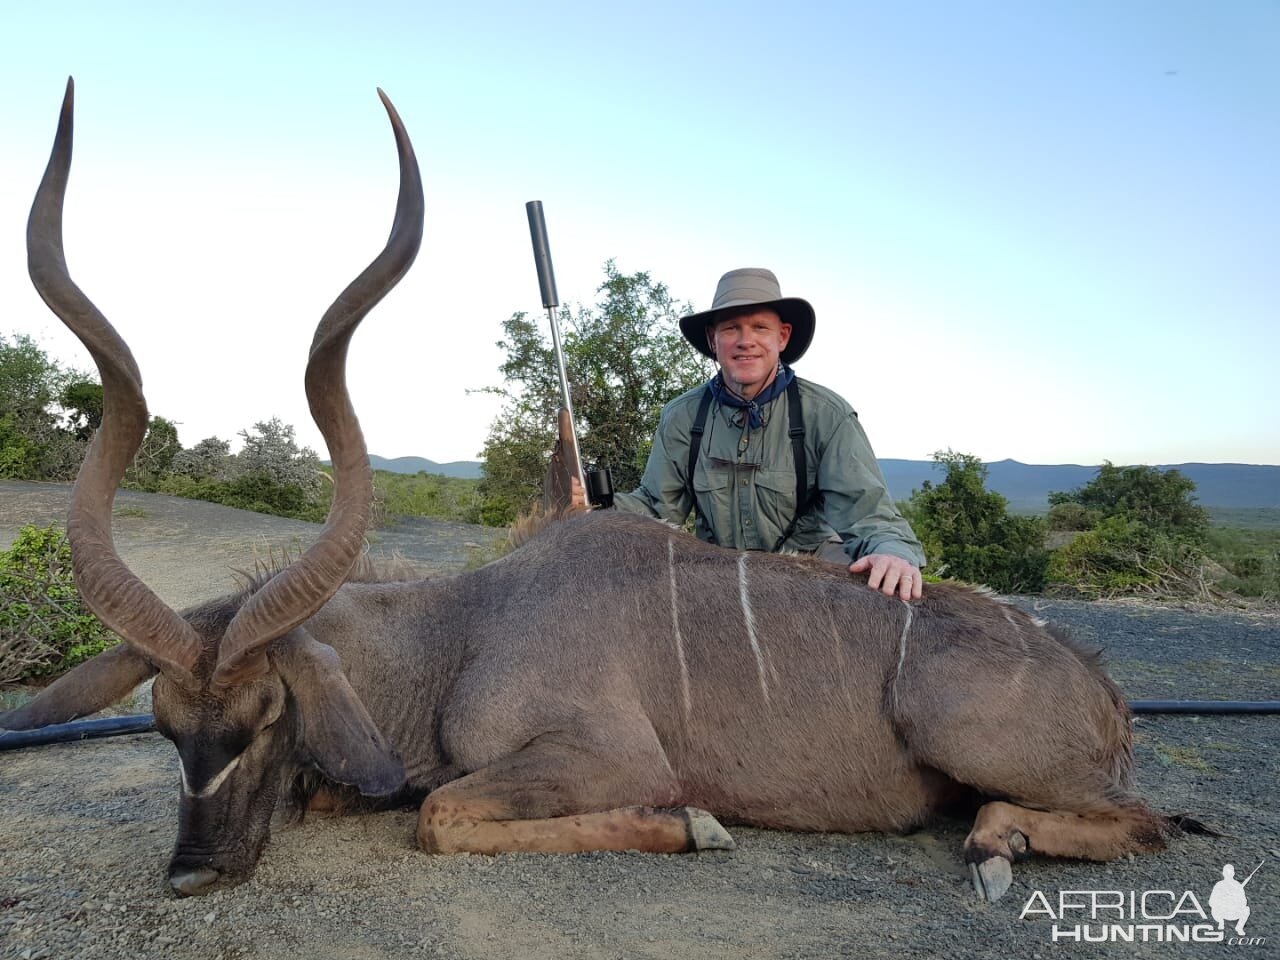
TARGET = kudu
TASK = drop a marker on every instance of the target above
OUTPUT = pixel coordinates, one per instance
(600, 688)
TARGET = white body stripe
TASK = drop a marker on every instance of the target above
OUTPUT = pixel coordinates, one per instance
(1015, 681)
(902, 650)
(842, 666)
(675, 629)
(750, 619)
(212, 786)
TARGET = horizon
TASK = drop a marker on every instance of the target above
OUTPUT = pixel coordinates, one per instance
(1182, 463)
(1031, 232)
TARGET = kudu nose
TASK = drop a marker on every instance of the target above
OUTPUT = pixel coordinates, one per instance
(194, 881)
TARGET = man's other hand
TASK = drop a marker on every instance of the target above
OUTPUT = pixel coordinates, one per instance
(890, 575)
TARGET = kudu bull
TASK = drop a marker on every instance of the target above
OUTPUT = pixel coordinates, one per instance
(600, 688)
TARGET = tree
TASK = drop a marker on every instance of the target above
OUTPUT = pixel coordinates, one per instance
(1161, 499)
(210, 459)
(82, 400)
(271, 451)
(33, 445)
(29, 380)
(156, 455)
(20, 455)
(270, 475)
(968, 533)
(1143, 532)
(625, 359)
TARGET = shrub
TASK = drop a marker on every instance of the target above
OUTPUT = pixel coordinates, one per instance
(1125, 556)
(255, 491)
(1163, 500)
(1072, 516)
(33, 443)
(210, 459)
(154, 459)
(1251, 558)
(271, 451)
(968, 533)
(1144, 533)
(425, 494)
(497, 511)
(45, 628)
(20, 456)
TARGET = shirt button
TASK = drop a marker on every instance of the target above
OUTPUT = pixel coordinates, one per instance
(743, 482)
(747, 521)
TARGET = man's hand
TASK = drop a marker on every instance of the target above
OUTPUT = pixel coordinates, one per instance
(890, 575)
(578, 495)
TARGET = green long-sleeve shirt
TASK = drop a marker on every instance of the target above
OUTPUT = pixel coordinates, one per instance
(747, 495)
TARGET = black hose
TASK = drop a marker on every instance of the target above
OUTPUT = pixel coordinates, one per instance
(1205, 706)
(76, 730)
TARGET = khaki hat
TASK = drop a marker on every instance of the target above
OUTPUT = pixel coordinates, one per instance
(752, 287)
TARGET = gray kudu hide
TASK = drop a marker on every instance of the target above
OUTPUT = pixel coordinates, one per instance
(612, 684)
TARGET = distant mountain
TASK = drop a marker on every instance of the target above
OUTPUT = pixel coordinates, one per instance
(1027, 486)
(467, 469)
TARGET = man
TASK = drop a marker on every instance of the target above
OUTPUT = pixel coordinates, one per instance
(741, 476)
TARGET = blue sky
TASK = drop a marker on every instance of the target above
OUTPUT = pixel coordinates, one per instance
(1042, 231)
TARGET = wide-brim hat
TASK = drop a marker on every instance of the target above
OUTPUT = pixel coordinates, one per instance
(752, 287)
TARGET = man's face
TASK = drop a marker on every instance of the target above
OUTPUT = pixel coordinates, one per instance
(747, 346)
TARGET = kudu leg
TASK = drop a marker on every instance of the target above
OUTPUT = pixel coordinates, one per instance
(551, 799)
(463, 828)
(1004, 832)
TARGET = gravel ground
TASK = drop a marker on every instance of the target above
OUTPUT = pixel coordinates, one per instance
(86, 829)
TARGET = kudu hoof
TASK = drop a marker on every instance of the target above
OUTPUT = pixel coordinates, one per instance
(194, 882)
(991, 878)
(707, 833)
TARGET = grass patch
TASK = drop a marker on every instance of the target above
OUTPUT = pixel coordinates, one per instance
(1181, 757)
(1224, 747)
(1250, 518)
(1251, 557)
(136, 512)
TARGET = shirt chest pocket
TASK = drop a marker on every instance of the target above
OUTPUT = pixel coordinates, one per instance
(713, 489)
(776, 495)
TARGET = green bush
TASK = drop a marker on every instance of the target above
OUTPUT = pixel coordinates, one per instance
(497, 511)
(425, 494)
(34, 445)
(1072, 516)
(20, 456)
(1251, 558)
(45, 628)
(255, 491)
(1143, 533)
(1125, 556)
(969, 534)
(1162, 500)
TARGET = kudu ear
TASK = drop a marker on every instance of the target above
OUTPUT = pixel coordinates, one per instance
(94, 684)
(557, 490)
(336, 729)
